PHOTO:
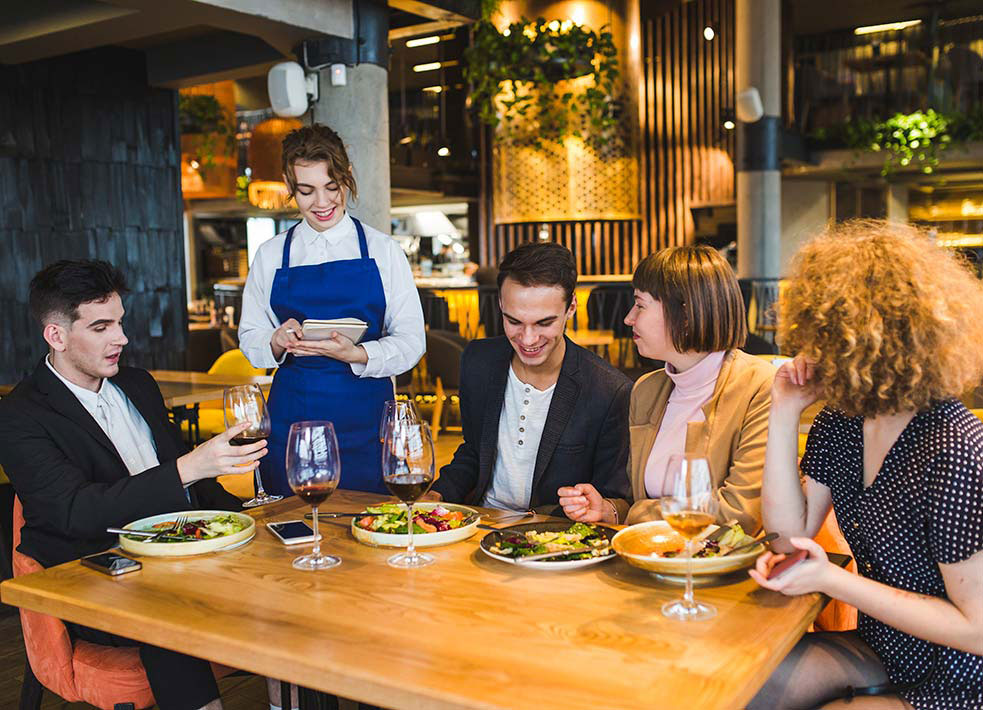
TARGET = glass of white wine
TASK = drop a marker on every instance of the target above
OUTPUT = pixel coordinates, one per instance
(689, 505)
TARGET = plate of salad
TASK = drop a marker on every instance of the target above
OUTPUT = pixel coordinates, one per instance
(586, 544)
(204, 531)
(384, 525)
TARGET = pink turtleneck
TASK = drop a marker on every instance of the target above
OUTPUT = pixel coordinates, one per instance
(691, 390)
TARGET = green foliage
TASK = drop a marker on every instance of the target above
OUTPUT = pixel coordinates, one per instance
(519, 81)
(202, 115)
(242, 188)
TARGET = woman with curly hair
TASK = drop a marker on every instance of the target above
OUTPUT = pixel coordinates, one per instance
(887, 328)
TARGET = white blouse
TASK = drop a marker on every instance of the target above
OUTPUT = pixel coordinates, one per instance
(403, 341)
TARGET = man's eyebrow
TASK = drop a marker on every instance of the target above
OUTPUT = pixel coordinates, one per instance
(101, 321)
(541, 321)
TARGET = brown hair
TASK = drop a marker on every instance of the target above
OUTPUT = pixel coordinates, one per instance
(540, 264)
(892, 321)
(313, 144)
(700, 297)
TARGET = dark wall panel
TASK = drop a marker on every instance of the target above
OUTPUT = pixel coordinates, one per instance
(89, 168)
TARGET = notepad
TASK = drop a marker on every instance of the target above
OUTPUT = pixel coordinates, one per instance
(351, 328)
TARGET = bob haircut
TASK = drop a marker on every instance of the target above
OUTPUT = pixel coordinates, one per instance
(892, 321)
(700, 297)
(314, 144)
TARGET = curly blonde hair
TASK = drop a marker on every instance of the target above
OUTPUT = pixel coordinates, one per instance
(893, 322)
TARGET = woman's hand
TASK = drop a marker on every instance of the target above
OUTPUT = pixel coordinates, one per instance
(286, 335)
(794, 387)
(337, 347)
(583, 504)
(809, 575)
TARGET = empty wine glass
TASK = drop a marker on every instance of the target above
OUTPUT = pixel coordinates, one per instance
(690, 507)
(246, 404)
(408, 471)
(313, 472)
(395, 411)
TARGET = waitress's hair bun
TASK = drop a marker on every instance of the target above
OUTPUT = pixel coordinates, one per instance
(314, 144)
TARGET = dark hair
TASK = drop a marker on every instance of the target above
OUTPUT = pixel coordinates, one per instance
(700, 297)
(60, 288)
(313, 144)
(540, 264)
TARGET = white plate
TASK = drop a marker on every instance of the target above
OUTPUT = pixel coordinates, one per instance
(195, 547)
(380, 539)
(556, 565)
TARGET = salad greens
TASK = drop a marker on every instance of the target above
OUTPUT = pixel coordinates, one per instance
(582, 540)
(199, 529)
(391, 518)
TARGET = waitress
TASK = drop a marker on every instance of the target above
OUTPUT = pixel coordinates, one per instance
(329, 265)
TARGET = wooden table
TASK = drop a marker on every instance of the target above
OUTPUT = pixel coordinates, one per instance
(466, 632)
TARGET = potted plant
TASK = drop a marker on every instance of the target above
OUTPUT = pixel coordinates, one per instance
(202, 116)
(542, 81)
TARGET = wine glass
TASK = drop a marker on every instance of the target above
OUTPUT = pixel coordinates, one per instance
(690, 507)
(407, 470)
(313, 472)
(395, 411)
(245, 403)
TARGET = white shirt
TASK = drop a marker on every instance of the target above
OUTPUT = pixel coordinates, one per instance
(520, 427)
(403, 340)
(120, 420)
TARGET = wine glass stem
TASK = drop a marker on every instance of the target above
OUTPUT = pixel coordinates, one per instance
(688, 595)
(260, 493)
(316, 552)
(410, 550)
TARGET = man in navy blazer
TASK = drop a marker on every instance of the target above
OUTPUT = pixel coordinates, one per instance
(540, 414)
(87, 445)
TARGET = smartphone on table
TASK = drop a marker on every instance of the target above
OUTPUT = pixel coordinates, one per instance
(110, 563)
(292, 532)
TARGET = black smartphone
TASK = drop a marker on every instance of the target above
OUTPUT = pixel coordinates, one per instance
(292, 532)
(110, 563)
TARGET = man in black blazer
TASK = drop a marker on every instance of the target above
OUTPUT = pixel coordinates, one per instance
(87, 445)
(540, 414)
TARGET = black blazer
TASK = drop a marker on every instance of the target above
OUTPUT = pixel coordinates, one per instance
(70, 478)
(585, 439)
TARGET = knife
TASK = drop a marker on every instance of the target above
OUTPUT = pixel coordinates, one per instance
(747, 545)
(551, 555)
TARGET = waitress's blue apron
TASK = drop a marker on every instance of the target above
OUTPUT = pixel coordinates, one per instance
(322, 388)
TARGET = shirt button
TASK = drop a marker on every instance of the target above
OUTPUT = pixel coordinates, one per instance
(521, 428)
(867, 566)
(522, 417)
(527, 389)
(856, 524)
(520, 442)
(526, 402)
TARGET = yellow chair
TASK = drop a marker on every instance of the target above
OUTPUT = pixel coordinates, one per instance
(978, 413)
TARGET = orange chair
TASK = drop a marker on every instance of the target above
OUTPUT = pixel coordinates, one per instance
(837, 616)
(103, 676)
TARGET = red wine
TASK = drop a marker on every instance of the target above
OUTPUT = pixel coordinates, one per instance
(409, 487)
(315, 493)
(245, 439)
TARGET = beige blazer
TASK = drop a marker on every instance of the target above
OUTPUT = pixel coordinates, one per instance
(733, 437)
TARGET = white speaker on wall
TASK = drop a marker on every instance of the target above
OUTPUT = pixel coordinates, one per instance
(288, 88)
(749, 107)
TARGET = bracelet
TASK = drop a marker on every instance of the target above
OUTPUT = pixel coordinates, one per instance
(614, 508)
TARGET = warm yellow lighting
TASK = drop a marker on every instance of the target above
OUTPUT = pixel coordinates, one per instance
(886, 27)
(268, 194)
(554, 25)
(429, 66)
(708, 33)
(443, 151)
(406, 140)
(433, 89)
(195, 164)
(422, 41)
(729, 125)
(968, 208)
(506, 32)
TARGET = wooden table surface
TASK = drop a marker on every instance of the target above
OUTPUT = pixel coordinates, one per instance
(465, 632)
(183, 388)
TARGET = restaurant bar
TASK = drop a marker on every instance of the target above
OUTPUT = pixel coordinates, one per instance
(491, 354)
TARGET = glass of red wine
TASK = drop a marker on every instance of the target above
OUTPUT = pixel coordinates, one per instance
(408, 472)
(689, 505)
(246, 404)
(313, 472)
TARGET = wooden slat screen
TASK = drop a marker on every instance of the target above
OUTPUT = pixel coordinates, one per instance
(600, 246)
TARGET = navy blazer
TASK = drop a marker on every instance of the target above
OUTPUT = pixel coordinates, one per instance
(71, 480)
(585, 438)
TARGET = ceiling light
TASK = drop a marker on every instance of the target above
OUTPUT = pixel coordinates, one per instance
(708, 33)
(422, 41)
(729, 125)
(195, 165)
(433, 89)
(429, 66)
(887, 27)
(443, 151)
(406, 140)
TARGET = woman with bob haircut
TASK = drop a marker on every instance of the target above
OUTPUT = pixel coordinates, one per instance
(711, 398)
(887, 328)
(329, 265)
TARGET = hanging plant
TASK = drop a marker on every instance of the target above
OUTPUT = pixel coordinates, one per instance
(542, 81)
(914, 139)
(202, 116)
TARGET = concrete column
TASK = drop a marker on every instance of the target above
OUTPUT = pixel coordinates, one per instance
(758, 64)
(359, 112)
(897, 203)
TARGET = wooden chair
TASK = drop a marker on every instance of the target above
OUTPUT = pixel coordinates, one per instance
(444, 369)
(104, 676)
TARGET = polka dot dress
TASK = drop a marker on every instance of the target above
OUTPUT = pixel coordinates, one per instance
(925, 507)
